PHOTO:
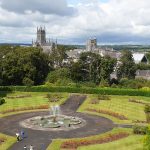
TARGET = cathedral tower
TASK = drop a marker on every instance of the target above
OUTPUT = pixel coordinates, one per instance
(41, 36)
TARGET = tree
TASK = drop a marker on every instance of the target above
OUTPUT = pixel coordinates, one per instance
(21, 63)
(107, 67)
(92, 67)
(58, 74)
(58, 55)
(127, 69)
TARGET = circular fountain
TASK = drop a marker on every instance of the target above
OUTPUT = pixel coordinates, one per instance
(54, 121)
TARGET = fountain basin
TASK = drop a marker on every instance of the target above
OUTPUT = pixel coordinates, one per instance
(53, 123)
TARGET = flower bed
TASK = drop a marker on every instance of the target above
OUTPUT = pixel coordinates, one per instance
(137, 101)
(25, 108)
(18, 96)
(72, 144)
(108, 112)
(2, 140)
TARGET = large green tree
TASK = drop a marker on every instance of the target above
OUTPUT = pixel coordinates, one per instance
(24, 64)
(92, 67)
(127, 67)
(57, 56)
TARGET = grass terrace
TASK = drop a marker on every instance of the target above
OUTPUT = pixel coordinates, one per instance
(107, 141)
(117, 106)
(17, 102)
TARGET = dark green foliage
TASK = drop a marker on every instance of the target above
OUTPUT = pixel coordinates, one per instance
(127, 69)
(139, 129)
(27, 82)
(143, 66)
(2, 101)
(20, 64)
(61, 73)
(79, 89)
(58, 55)
(135, 84)
(60, 77)
(92, 67)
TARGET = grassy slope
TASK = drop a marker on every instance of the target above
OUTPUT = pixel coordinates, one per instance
(133, 142)
(9, 141)
(36, 99)
(121, 105)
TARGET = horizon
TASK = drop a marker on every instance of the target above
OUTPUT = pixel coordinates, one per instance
(72, 22)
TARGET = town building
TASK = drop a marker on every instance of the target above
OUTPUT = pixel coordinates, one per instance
(91, 44)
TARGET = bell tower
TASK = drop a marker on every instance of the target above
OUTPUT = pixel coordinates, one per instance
(41, 36)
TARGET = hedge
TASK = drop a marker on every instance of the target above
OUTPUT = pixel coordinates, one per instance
(84, 90)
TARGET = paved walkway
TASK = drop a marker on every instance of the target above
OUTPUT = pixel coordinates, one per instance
(41, 139)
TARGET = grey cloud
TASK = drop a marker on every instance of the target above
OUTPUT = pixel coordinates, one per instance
(58, 7)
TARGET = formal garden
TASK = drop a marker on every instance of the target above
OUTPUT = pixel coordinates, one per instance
(75, 106)
(114, 119)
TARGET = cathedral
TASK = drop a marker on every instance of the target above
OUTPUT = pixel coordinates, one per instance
(41, 41)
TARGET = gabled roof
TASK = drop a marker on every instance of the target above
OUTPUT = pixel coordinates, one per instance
(141, 73)
(138, 57)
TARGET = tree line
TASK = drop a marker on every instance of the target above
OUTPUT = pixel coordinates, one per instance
(30, 66)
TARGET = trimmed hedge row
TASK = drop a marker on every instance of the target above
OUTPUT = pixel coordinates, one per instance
(84, 90)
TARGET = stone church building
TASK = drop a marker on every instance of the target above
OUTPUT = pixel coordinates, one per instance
(41, 41)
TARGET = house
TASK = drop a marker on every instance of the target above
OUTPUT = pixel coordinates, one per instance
(145, 74)
(140, 58)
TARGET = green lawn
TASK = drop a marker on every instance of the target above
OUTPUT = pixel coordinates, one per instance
(9, 141)
(55, 145)
(121, 105)
(36, 99)
(133, 142)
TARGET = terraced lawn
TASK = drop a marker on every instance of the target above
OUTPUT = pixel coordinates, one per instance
(35, 99)
(133, 142)
(120, 105)
(57, 143)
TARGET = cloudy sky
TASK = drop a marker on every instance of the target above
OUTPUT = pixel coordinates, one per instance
(74, 21)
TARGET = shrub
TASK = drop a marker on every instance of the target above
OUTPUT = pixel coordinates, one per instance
(134, 83)
(140, 129)
(27, 82)
(63, 82)
(2, 101)
(59, 74)
(104, 83)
